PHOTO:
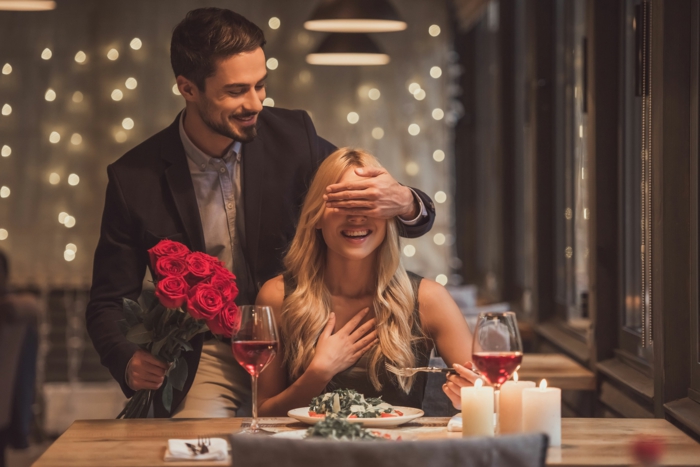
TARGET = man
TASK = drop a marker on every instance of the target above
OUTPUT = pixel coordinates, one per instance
(228, 178)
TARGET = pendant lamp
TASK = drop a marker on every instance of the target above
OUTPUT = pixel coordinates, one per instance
(355, 16)
(347, 49)
(27, 5)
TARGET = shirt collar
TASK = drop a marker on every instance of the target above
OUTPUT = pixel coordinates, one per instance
(201, 160)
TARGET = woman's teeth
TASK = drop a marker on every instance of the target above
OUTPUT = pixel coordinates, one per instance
(355, 233)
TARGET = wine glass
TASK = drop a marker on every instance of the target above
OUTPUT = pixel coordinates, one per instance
(254, 347)
(497, 350)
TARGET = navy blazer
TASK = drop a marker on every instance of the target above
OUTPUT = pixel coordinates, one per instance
(150, 196)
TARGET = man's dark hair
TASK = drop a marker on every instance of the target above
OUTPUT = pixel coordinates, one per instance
(208, 35)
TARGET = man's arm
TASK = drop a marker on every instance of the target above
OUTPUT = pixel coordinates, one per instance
(118, 271)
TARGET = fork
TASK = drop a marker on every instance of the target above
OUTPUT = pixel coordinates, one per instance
(406, 372)
(203, 444)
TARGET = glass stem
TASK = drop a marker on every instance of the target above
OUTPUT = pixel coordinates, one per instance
(497, 407)
(254, 423)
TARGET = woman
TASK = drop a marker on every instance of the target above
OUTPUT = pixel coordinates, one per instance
(346, 307)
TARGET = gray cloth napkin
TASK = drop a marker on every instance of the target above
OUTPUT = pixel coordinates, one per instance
(507, 451)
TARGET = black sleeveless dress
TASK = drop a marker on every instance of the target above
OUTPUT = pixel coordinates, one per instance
(357, 376)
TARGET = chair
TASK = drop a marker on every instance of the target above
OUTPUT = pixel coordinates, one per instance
(507, 451)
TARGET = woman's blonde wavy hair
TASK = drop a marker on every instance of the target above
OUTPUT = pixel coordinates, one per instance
(306, 310)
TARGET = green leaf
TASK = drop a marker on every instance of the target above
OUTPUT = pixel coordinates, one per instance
(178, 374)
(148, 299)
(123, 326)
(158, 346)
(185, 345)
(139, 334)
(132, 312)
(168, 396)
(153, 317)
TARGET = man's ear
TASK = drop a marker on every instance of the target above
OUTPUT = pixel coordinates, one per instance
(187, 88)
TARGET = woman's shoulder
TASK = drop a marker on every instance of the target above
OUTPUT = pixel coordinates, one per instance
(272, 292)
(431, 292)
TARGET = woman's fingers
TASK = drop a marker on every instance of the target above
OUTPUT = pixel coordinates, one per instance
(364, 329)
(466, 373)
(459, 381)
(352, 324)
(454, 398)
(330, 325)
(368, 339)
(362, 351)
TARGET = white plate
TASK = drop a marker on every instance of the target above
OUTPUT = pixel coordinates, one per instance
(409, 413)
(301, 434)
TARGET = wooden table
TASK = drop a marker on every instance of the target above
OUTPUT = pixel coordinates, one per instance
(559, 370)
(129, 443)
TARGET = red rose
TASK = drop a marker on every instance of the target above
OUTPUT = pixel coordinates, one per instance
(172, 291)
(204, 302)
(171, 266)
(227, 322)
(225, 284)
(167, 248)
(200, 267)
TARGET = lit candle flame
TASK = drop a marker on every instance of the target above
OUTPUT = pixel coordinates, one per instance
(515, 376)
(543, 384)
(478, 383)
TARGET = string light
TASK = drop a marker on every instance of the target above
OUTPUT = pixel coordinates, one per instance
(439, 155)
(46, 54)
(419, 95)
(374, 94)
(7, 69)
(439, 239)
(6, 109)
(353, 117)
(438, 114)
(435, 72)
(176, 91)
(62, 217)
(269, 102)
(117, 95)
(413, 88)
(5, 151)
(69, 255)
(131, 83)
(4, 192)
(80, 57)
(120, 136)
(127, 123)
(54, 178)
(113, 54)
(377, 133)
(69, 222)
(272, 63)
(409, 250)
(412, 169)
(413, 129)
(440, 197)
(135, 43)
(77, 97)
(73, 179)
(434, 30)
(441, 279)
(72, 247)
(54, 137)
(3, 234)
(274, 23)
(50, 95)
(76, 139)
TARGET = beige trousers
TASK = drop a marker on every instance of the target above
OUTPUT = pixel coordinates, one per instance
(220, 387)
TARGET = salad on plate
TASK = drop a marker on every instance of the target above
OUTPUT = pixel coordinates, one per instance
(348, 403)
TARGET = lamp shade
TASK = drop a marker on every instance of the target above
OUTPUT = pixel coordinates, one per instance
(27, 5)
(347, 49)
(355, 16)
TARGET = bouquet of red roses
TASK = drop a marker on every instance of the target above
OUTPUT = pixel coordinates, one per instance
(194, 292)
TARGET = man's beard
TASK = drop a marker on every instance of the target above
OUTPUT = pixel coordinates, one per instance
(247, 134)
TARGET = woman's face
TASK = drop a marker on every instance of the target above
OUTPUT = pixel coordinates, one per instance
(350, 236)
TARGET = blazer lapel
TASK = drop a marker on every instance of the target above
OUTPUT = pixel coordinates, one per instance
(253, 173)
(181, 187)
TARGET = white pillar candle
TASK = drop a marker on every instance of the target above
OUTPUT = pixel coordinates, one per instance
(477, 410)
(511, 408)
(542, 412)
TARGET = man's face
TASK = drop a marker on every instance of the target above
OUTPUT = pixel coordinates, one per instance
(232, 98)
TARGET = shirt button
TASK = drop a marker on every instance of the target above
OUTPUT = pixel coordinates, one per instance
(229, 205)
(203, 166)
(222, 170)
